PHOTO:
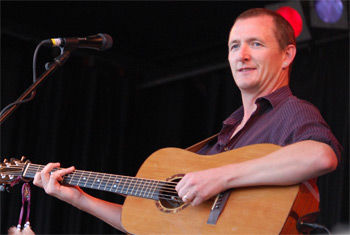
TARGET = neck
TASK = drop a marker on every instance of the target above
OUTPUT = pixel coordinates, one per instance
(249, 98)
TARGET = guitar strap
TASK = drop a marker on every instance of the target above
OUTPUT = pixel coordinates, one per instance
(196, 147)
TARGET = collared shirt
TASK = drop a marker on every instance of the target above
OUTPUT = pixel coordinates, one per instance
(280, 118)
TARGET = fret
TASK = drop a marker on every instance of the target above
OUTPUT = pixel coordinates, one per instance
(116, 183)
(122, 183)
(141, 188)
(107, 182)
(26, 170)
(147, 184)
(86, 178)
(67, 179)
(112, 184)
(138, 186)
(90, 183)
(128, 180)
(99, 180)
(144, 187)
(149, 188)
(30, 170)
(154, 184)
(156, 191)
(151, 185)
(79, 178)
(133, 183)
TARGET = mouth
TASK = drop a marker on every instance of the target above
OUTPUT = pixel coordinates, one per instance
(246, 69)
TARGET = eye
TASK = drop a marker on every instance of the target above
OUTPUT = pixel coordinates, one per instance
(234, 46)
(256, 44)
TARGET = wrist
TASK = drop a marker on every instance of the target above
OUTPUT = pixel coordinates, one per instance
(78, 200)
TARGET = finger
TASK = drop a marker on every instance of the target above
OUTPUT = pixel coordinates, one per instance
(181, 186)
(49, 167)
(58, 175)
(38, 175)
(186, 199)
(46, 171)
(196, 202)
(37, 180)
(182, 192)
(66, 171)
(190, 196)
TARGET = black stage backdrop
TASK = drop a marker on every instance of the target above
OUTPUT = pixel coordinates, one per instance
(97, 115)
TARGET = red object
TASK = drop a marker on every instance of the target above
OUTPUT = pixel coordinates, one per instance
(293, 17)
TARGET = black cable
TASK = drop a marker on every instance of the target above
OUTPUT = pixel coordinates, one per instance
(34, 80)
(316, 226)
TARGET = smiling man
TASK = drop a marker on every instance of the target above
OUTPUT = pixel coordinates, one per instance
(261, 51)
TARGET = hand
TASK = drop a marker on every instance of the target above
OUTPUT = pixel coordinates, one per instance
(197, 187)
(52, 186)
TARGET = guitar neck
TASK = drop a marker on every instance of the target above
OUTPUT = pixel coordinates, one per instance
(126, 185)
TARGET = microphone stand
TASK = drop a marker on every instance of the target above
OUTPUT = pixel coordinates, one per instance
(58, 62)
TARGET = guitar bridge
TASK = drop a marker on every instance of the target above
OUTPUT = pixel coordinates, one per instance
(218, 207)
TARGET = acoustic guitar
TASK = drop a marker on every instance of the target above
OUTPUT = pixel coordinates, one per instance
(152, 205)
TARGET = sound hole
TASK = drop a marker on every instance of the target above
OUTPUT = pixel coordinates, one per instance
(169, 200)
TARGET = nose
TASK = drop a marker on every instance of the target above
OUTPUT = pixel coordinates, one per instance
(243, 53)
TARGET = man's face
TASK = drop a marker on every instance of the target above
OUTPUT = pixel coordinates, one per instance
(255, 56)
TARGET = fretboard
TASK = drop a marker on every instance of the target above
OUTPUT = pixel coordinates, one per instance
(145, 188)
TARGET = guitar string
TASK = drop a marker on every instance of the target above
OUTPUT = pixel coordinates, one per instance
(163, 187)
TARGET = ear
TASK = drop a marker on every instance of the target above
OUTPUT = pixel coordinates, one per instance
(289, 55)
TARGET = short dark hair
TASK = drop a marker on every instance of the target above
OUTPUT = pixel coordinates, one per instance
(283, 30)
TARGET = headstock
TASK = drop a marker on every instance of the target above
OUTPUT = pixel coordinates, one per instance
(11, 172)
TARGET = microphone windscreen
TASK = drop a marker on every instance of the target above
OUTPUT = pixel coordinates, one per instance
(107, 41)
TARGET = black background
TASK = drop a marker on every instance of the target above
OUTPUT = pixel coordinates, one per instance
(166, 82)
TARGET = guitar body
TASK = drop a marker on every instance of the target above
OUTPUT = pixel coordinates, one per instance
(251, 210)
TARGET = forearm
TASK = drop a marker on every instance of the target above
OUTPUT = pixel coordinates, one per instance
(289, 165)
(107, 211)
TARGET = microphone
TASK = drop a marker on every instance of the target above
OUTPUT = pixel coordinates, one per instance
(98, 42)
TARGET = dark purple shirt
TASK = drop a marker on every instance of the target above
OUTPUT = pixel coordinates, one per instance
(280, 118)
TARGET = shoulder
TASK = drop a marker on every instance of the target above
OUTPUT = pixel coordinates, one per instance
(283, 100)
(299, 108)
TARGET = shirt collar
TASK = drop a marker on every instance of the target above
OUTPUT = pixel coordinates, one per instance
(278, 96)
(273, 99)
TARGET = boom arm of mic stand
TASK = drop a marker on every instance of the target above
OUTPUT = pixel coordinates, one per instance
(58, 61)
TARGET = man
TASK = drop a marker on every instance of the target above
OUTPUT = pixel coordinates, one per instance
(261, 51)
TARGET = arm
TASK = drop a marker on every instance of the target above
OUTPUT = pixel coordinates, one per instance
(289, 165)
(106, 211)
